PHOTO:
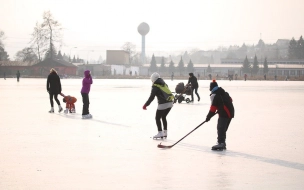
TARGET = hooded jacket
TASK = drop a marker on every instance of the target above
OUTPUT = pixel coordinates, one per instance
(222, 102)
(53, 84)
(86, 82)
(158, 93)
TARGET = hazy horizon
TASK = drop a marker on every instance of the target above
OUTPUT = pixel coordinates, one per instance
(96, 26)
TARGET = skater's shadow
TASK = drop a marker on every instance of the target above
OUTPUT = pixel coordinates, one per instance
(78, 117)
(279, 162)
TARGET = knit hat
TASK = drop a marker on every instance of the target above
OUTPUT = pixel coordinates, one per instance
(191, 74)
(154, 77)
(213, 84)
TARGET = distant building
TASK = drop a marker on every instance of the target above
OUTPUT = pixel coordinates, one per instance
(118, 57)
(62, 67)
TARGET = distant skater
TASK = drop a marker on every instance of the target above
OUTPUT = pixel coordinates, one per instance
(4, 76)
(86, 87)
(221, 103)
(53, 86)
(275, 77)
(194, 85)
(172, 76)
(18, 75)
(245, 76)
(165, 103)
(70, 103)
(264, 76)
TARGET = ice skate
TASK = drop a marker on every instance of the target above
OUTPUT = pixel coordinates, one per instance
(52, 110)
(88, 116)
(159, 135)
(73, 111)
(66, 111)
(219, 146)
(60, 109)
(165, 133)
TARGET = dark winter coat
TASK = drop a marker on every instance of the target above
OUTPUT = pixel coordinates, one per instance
(53, 84)
(193, 81)
(158, 93)
(222, 103)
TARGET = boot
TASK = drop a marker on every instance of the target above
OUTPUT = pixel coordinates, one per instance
(52, 110)
(159, 135)
(219, 146)
(165, 133)
(60, 108)
(66, 111)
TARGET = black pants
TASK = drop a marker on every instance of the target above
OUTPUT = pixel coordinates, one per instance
(195, 90)
(56, 99)
(161, 115)
(222, 127)
(86, 102)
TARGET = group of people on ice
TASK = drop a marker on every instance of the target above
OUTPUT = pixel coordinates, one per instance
(221, 104)
(53, 87)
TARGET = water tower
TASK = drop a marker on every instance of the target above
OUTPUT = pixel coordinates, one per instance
(143, 29)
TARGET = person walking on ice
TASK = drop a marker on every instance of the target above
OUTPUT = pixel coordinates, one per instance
(194, 85)
(86, 87)
(222, 103)
(53, 87)
(165, 103)
(70, 103)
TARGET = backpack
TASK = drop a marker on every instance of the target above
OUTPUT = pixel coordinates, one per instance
(165, 91)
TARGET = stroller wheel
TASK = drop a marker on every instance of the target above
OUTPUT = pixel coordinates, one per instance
(187, 100)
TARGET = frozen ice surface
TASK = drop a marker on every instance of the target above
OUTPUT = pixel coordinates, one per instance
(114, 150)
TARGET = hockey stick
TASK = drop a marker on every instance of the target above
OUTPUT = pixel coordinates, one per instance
(164, 146)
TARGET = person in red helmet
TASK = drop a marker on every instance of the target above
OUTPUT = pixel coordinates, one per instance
(221, 104)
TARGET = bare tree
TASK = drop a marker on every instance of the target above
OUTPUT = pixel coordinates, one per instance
(3, 54)
(129, 47)
(37, 41)
(1, 38)
(26, 55)
(51, 31)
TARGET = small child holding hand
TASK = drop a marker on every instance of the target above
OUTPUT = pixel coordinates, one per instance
(69, 100)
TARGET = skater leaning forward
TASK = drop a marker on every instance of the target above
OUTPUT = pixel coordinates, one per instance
(70, 103)
(222, 103)
(165, 103)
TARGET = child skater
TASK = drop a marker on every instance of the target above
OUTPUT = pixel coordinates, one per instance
(70, 103)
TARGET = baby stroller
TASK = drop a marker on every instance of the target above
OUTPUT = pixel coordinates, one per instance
(181, 93)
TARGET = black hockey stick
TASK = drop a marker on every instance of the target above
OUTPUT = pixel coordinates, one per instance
(164, 146)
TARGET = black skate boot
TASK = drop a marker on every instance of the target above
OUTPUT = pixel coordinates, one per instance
(219, 146)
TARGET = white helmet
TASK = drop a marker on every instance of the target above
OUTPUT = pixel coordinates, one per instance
(154, 77)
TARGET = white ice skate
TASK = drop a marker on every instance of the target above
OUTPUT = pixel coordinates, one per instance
(66, 111)
(159, 135)
(165, 133)
(52, 110)
(88, 116)
(60, 109)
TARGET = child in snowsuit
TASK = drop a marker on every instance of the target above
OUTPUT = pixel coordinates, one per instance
(70, 103)
(222, 103)
(165, 103)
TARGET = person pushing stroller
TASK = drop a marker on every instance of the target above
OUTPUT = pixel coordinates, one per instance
(70, 103)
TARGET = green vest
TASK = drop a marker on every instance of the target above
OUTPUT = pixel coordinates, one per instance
(166, 92)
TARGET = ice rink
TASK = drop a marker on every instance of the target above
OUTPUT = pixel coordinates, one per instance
(114, 150)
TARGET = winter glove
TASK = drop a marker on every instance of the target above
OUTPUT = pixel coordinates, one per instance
(145, 107)
(209, 116)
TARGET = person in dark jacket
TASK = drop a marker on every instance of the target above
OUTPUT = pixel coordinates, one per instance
(53, 86)
(86, 87)
(165, 103)
(18, 75)
(222, 103)
(194, 85)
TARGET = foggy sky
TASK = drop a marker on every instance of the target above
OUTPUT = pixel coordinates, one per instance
(94, 26)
